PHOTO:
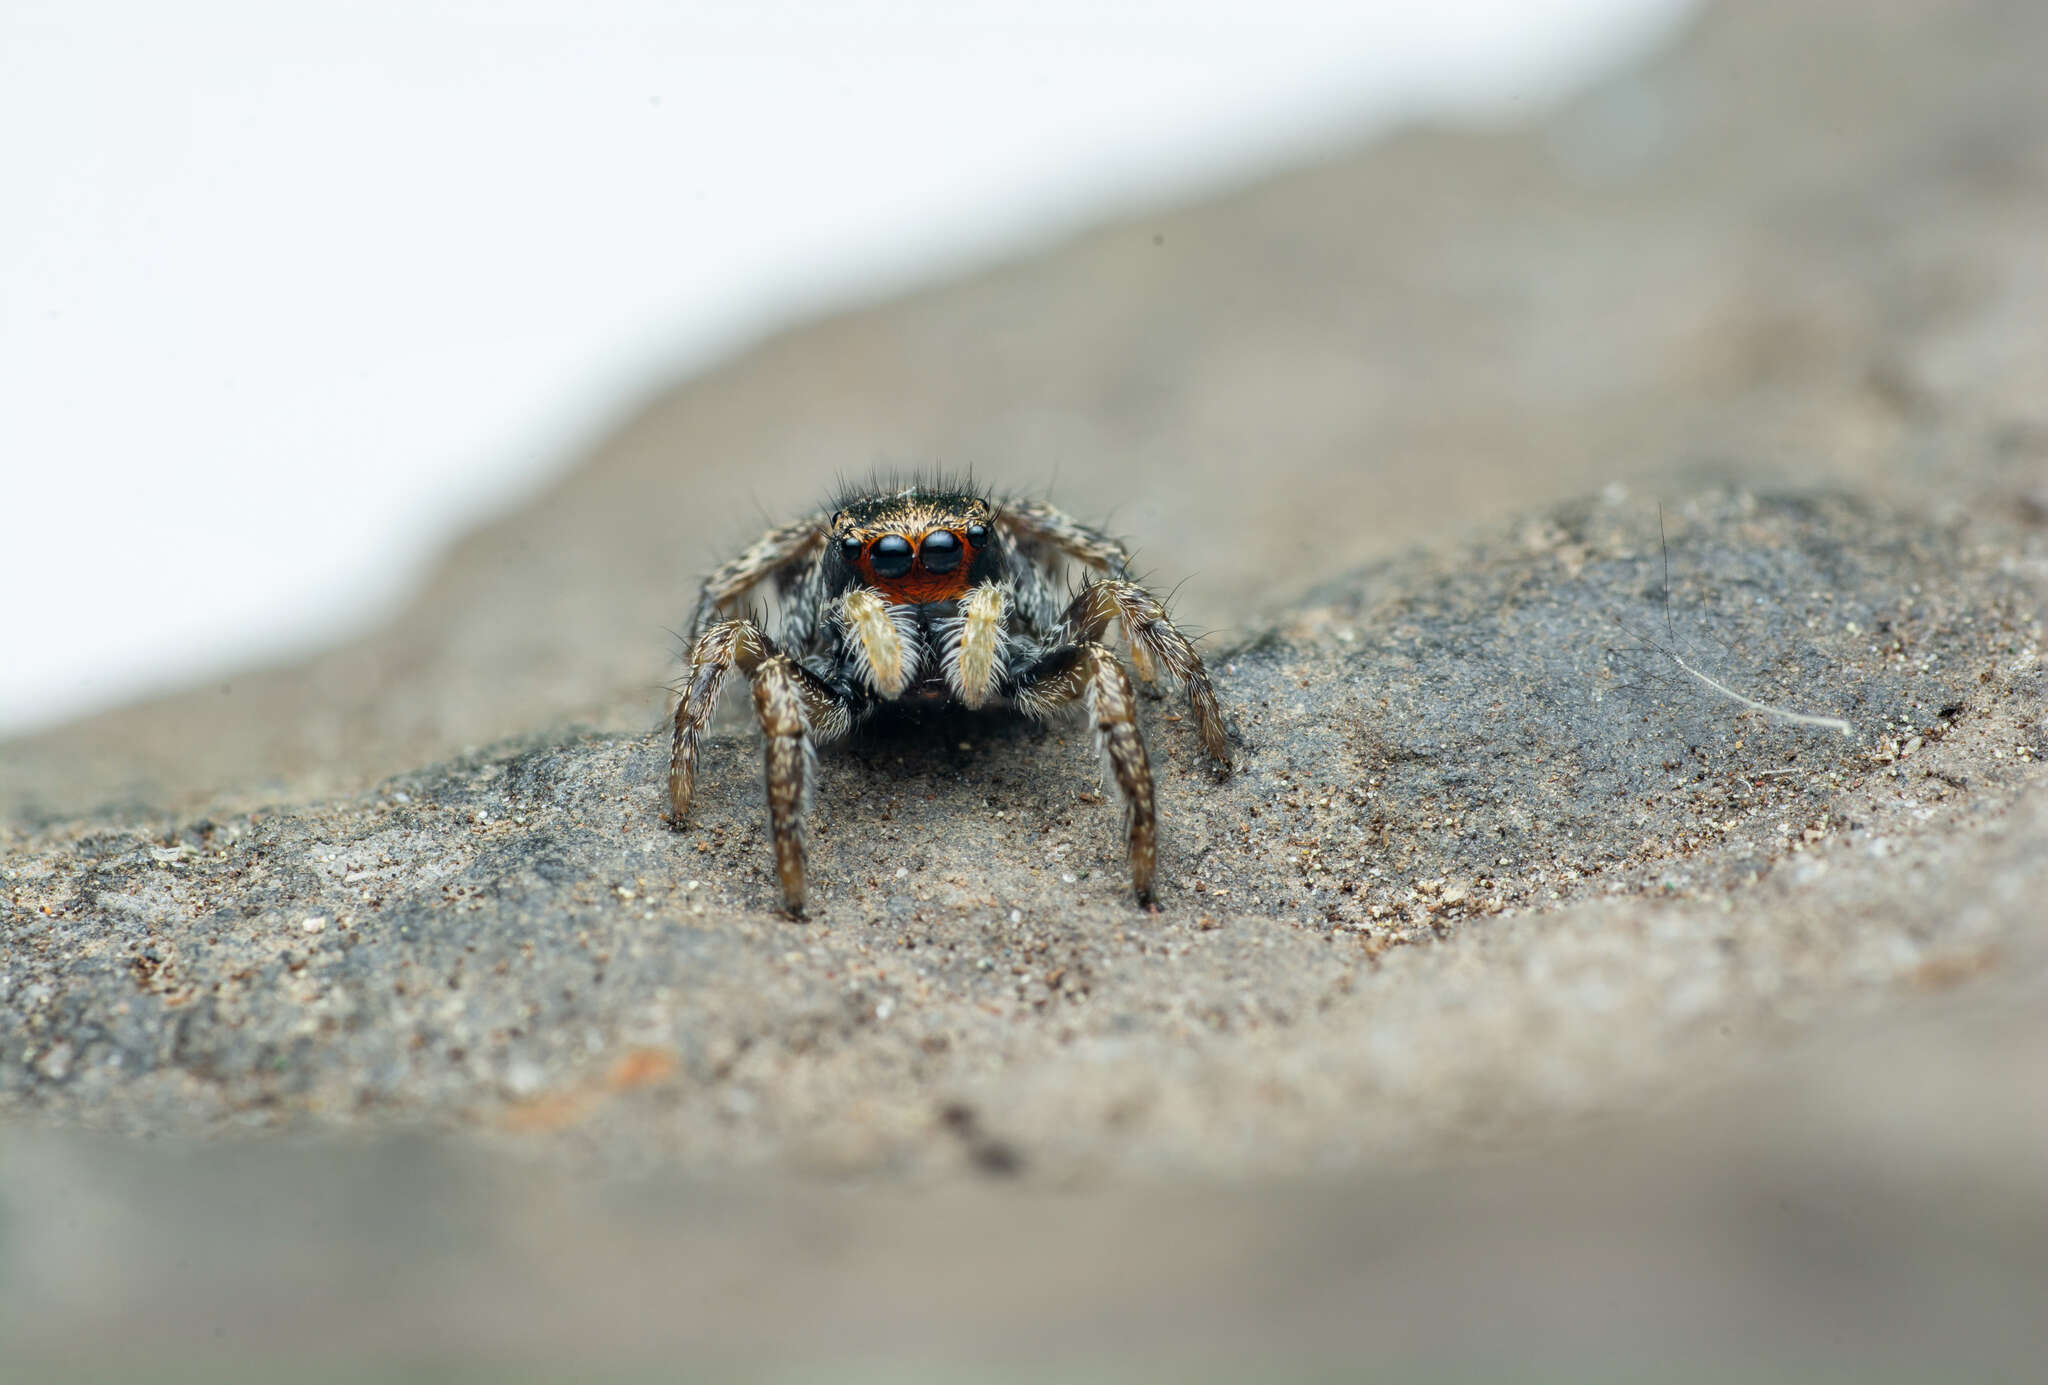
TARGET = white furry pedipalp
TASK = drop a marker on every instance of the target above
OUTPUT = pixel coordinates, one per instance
(883, 640)
(974, 645)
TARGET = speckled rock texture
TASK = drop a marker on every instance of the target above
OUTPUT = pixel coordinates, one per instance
(1435, 751)
(1622, 545)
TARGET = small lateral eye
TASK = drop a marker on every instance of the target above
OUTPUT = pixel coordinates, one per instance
(849, 548)
(890, 556)
(940, 551)
(977, 535)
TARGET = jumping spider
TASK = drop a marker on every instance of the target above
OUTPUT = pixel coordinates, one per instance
(931, 593)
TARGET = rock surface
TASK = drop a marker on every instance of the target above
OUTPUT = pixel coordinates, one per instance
(1433, 751)
(1550, 910)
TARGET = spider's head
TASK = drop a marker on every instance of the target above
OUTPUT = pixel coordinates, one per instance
(915, 545)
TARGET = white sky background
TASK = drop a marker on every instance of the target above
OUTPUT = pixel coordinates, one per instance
(291, 294)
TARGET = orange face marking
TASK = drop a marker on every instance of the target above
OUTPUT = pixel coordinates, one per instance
(922, 587)
(918, 587)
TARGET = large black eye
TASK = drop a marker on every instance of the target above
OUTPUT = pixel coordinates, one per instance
(890, 557)
(940, 551)
(977, 534)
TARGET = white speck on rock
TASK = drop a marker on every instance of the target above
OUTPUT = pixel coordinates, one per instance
(56, 1064)
(315, 924)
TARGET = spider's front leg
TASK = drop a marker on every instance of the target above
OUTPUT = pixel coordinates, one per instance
(1093, 673)
(1155, 642)
(796, 709)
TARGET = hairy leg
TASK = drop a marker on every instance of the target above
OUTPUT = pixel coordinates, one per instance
(788, 765)
(768, 556)
(1038, 525)
(796, 709)
(1154, 642)
(1091, 673)
(723, 647)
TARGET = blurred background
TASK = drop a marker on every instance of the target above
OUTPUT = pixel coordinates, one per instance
(290, 298)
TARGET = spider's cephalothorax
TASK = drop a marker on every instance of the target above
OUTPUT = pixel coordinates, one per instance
(932, 592)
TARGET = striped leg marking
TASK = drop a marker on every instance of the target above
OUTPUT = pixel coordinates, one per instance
(725, 646)
(789, 763)
(1153, 639)
(796, 709)
(1093, 674)
(775, 551)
